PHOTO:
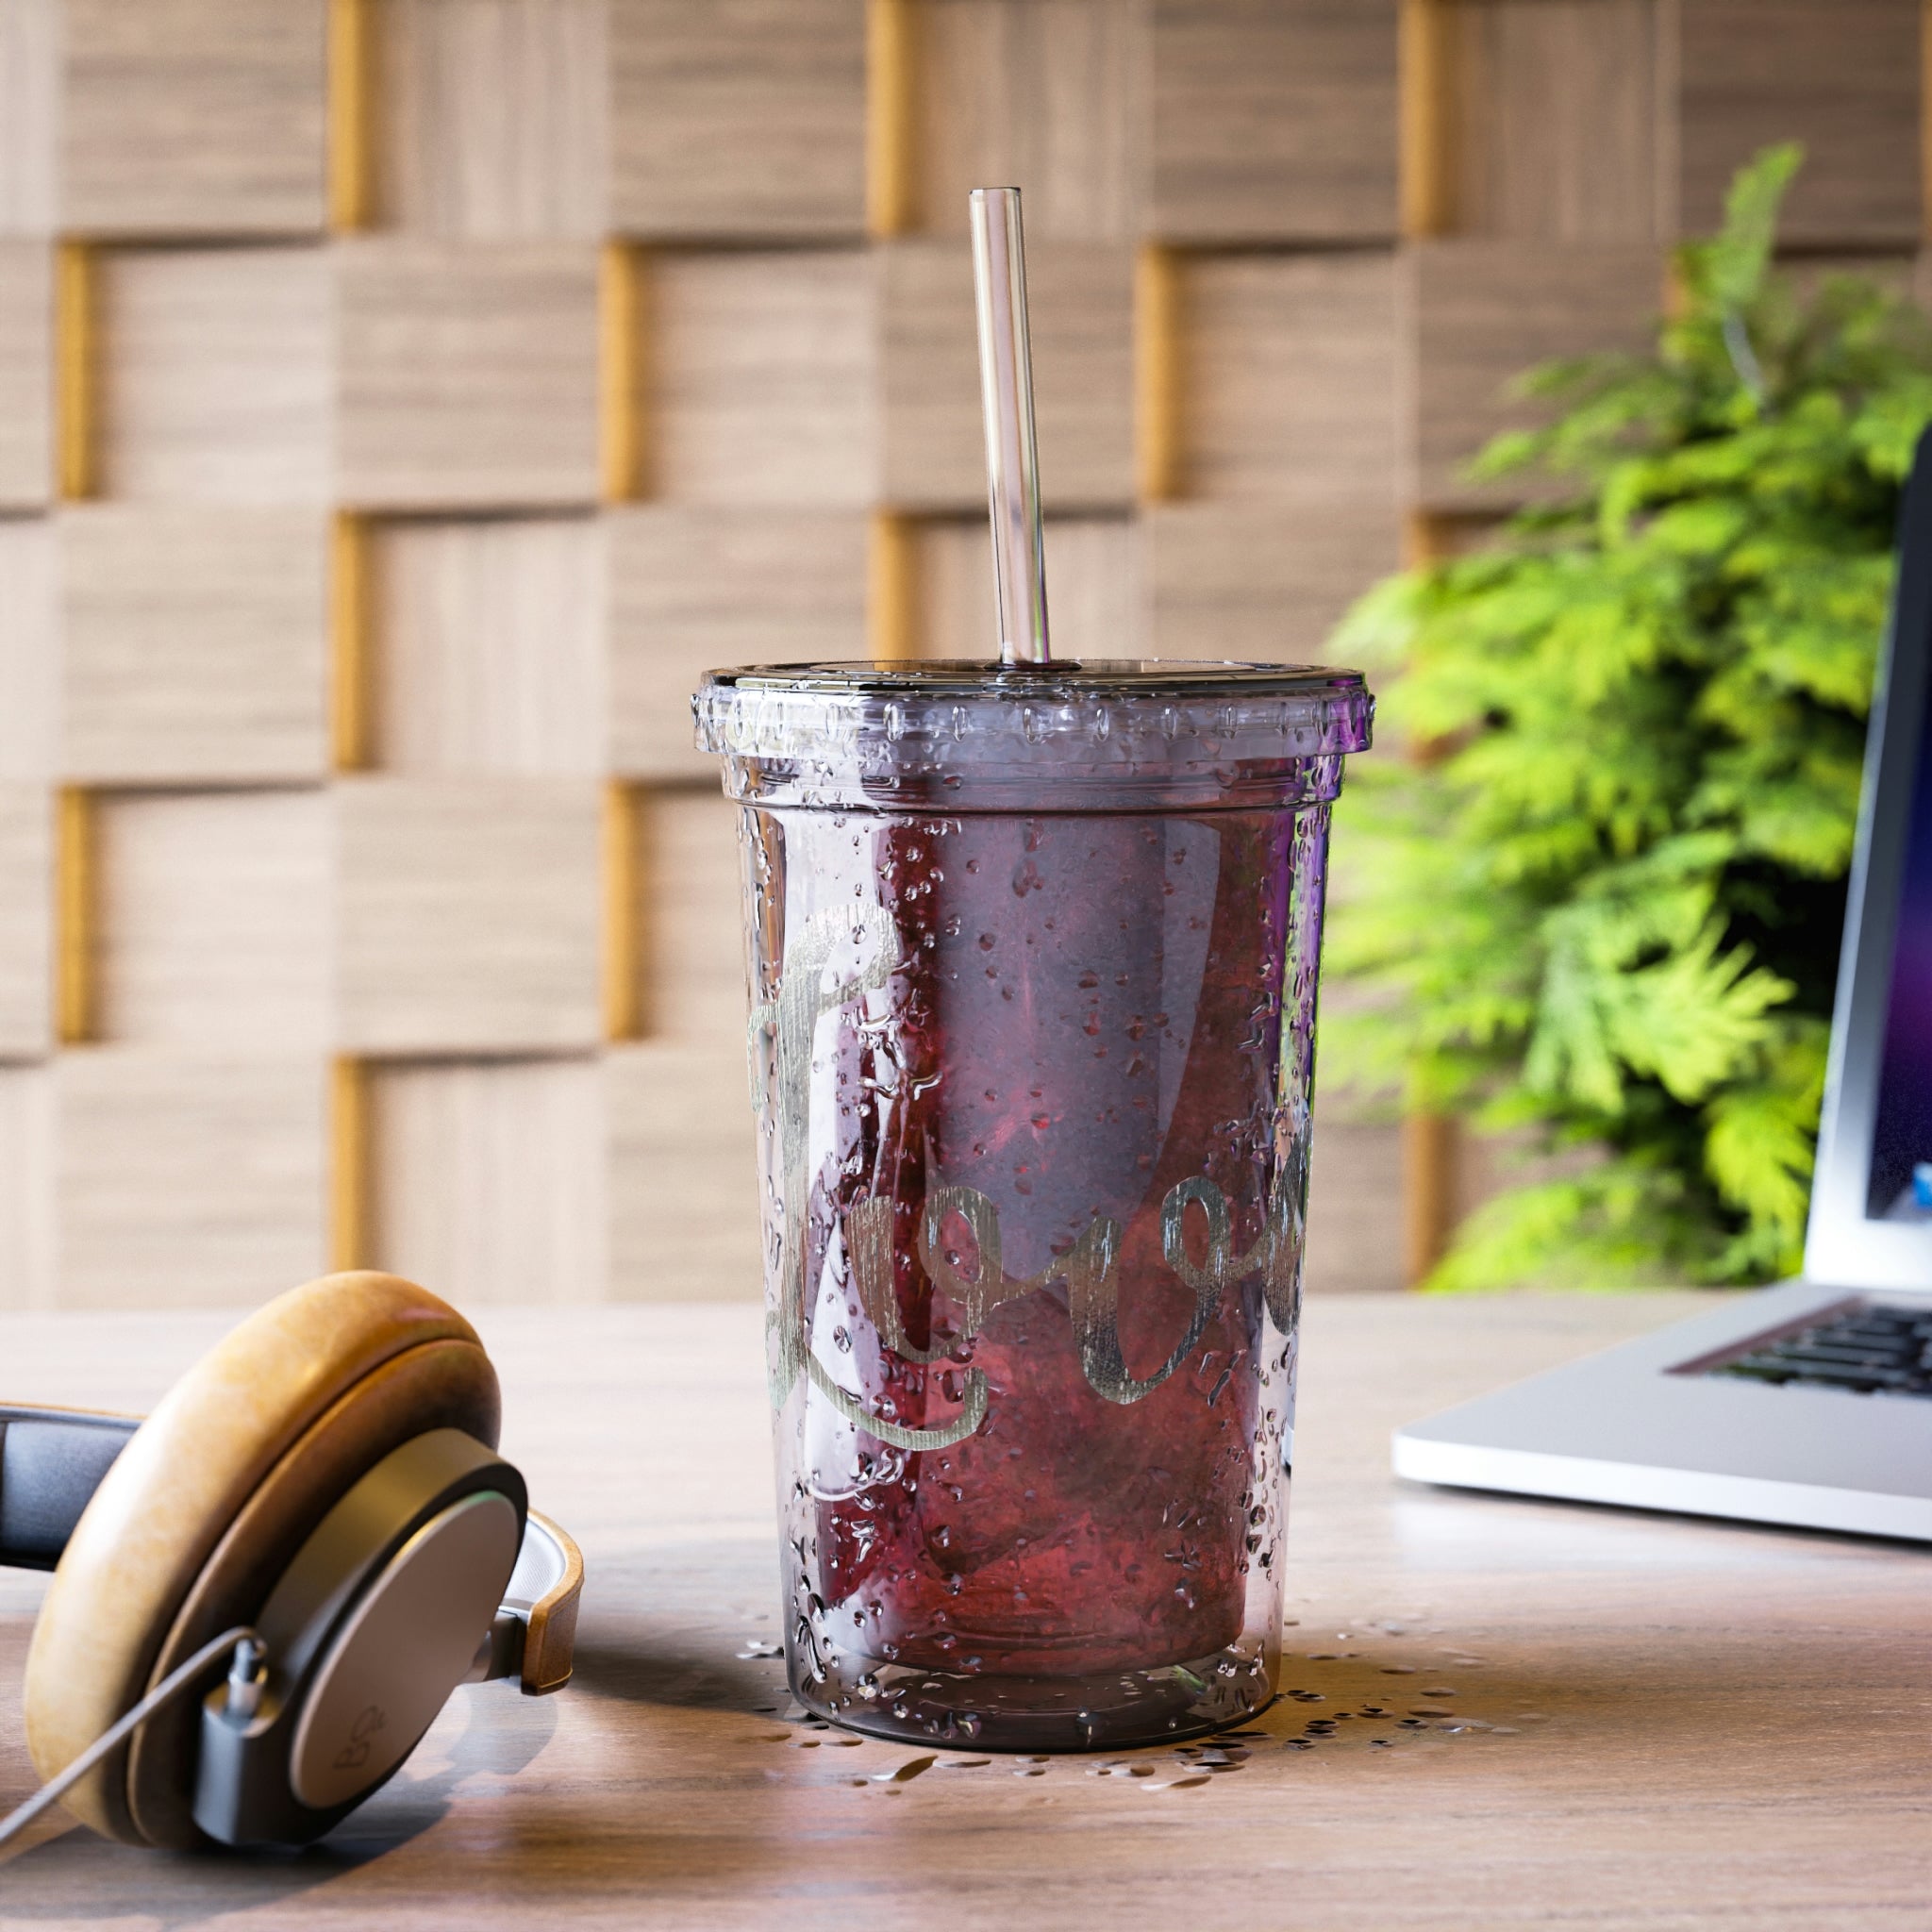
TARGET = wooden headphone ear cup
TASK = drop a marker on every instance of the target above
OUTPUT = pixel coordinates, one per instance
(211, 1499)
(440, 1385)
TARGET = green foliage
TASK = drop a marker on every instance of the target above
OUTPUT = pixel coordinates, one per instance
(1608, 911)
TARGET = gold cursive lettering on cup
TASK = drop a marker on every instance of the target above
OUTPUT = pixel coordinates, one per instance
(1089, 1268)
(1275, 1255)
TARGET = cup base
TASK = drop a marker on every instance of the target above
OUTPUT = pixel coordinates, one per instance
(1109, 1711)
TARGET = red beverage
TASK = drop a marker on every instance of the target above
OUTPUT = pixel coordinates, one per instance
(1034, 967)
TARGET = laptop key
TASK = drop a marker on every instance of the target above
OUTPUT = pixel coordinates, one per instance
(1872, 1350)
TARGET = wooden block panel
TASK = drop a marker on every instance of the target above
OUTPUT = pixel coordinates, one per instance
(488, 652)
(1081, 304)
(186, 1179)
(1241, 580)
(212, 920)
(27, 921)
(683, 1174)
(490, 1179)
(27, 375)
(29, 660)
(1553, 120)
(193, 117)
(214, 372)
(1287, 368)
(1355, 1207)
(468, 915)
(693, 590)
(1480, 314)
(28, 1278)
(489, 117)
(193, 643)
(1044, 95)
(29, 115)
(1094, 603)
(693, 949)
(738, 117)
(1843, 77)
(467, 375)
(1273, 120)
(761, 377)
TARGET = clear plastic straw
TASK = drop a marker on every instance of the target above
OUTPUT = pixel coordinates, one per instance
(1005, 390)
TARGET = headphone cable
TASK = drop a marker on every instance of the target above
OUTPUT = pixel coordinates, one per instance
(246, 1644)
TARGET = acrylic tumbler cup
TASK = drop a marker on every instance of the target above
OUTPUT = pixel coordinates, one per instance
(1033, 956)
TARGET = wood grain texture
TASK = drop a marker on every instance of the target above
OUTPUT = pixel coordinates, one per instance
(215, 374)
(695, 589)
(487, 645)
(492, 1178)
(1046, 95)
(191, 643)
(27, 375)
(682, 1172)
(186, 1179)
(27, 921)
(192, 117)
(1478, 315)
(1700, 1723)
(29, 115)
(692, 950)
(489, 118)
(28, 1277)
(1249, 580)
(1081, 303)
(467, 915)
(467, 375)
(1355, 1195)
(761, 378)
(1843, 77)
(1288, 379)
(1093, 566)
(740, 118)
(212, 919)
(1273, 120)
(1553, 118)
(29, 650)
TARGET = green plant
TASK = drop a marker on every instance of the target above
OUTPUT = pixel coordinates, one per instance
(1608, 910)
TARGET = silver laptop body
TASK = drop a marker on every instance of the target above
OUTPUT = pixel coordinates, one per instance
(1809, 1402)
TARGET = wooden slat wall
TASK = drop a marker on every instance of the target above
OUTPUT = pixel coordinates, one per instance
(401, 401)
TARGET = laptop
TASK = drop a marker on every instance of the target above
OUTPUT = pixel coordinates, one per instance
(1809, 1402)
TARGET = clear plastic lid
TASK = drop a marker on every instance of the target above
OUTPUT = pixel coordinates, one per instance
(1072, 734)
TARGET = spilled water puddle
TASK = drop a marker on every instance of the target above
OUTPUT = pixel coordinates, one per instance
(1349, 1699)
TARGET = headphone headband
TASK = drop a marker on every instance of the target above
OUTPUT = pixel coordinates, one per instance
(51, 1462)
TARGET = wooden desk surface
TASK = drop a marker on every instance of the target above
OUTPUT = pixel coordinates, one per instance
(1693, 1724)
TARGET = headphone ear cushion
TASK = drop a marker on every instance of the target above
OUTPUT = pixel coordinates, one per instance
(209, 1501)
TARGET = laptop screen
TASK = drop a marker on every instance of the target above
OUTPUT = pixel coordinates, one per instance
(1901, 1179)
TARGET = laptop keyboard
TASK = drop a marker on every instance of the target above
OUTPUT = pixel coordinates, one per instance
(1870, 1349)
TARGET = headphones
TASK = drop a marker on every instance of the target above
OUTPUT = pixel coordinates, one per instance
(317, 1503)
